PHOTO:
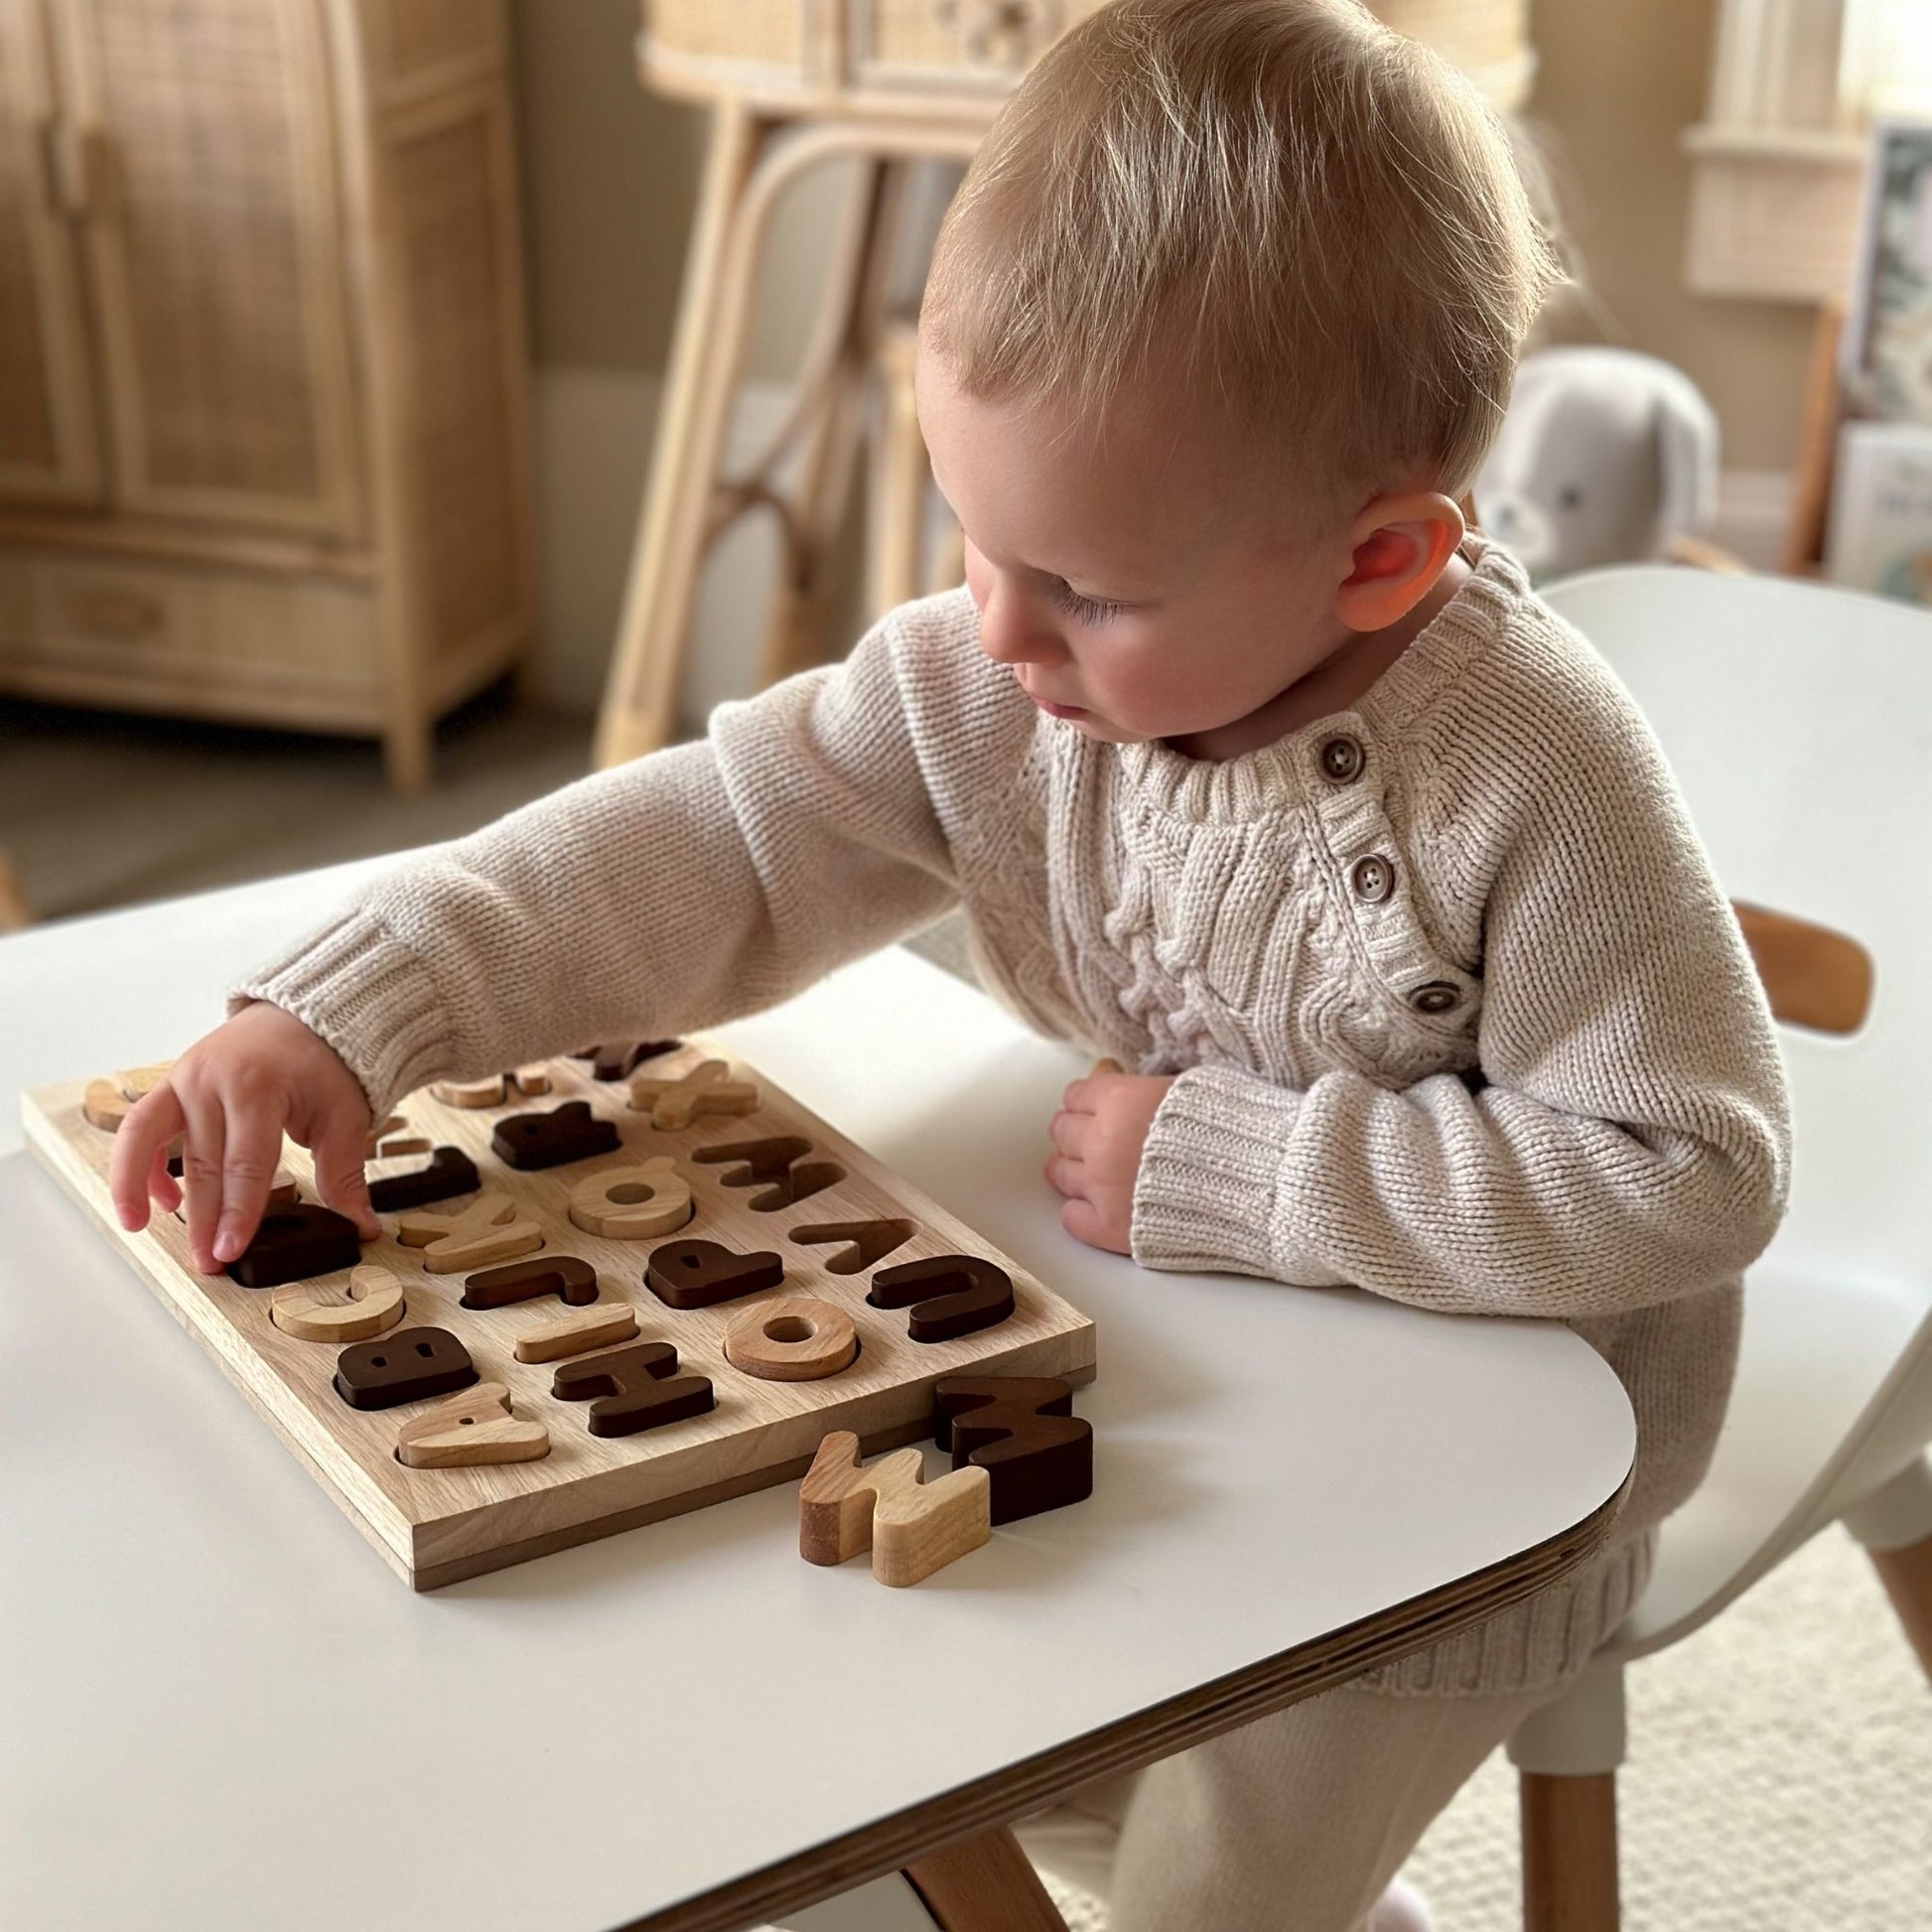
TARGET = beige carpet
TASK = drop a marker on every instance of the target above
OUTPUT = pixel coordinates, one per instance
(1780, 1777)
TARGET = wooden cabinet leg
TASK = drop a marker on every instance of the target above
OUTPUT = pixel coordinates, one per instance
(1907, 1576)
(984, 1886)
(15, 912)
(408, 751)
(1569, 1852)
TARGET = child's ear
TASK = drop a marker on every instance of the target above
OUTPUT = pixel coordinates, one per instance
(1399, 545)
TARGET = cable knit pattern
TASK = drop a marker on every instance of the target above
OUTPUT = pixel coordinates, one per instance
(1458, 1009)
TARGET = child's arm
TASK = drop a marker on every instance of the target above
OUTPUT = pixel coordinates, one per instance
(1626, 1140)
(674, 891)
(671, 893)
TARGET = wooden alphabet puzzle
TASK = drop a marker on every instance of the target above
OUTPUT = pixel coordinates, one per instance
(661, 1284)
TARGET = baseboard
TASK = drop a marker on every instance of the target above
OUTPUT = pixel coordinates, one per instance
(1753, 510)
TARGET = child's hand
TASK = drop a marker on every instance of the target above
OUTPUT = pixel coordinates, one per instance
(234, 1094)
(1099, 1135)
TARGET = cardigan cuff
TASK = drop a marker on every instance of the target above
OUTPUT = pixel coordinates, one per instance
(368, 996)
(1205, 1196)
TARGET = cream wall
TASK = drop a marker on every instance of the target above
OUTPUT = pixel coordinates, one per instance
(610, 176)
(1619, 81)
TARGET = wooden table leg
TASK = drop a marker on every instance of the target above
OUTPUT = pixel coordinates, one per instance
(1569, 1853)
(984, 1886)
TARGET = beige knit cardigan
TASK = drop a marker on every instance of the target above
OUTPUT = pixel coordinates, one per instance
(1458, 1011)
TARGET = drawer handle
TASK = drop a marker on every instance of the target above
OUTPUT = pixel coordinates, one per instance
(116, 613)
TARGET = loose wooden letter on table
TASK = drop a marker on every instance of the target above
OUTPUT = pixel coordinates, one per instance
(913, 1528)
(1022, 1432)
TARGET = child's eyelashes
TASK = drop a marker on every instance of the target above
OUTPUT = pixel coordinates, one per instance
(1087, 610)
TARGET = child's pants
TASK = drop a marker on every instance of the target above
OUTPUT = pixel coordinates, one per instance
(1292, 1824)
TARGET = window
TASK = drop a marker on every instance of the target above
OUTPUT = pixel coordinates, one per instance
(1886, 64)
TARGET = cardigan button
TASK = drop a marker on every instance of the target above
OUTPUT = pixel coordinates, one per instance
(1342, 759)
(1437, 997)
(1372, 878)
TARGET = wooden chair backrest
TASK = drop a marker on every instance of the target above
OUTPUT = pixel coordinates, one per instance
(1814, 977)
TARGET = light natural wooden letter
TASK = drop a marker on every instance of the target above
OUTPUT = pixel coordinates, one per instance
(633, 1203)
(486, 1232)
(707, 1089)
(913, 1527)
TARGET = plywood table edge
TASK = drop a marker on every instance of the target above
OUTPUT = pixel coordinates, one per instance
(1190, 1717)
(216, 1337)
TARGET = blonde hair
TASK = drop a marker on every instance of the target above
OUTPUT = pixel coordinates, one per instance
(1314, 222)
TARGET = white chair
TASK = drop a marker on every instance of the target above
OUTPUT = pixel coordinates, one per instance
(1799, 722)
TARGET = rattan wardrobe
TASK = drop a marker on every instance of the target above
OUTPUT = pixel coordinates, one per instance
(263, 400)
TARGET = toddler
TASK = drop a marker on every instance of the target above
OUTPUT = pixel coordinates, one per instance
(1253, 771)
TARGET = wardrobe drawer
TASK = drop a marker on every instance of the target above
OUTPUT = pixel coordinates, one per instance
(137, 632)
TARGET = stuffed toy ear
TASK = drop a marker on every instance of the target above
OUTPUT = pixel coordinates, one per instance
(1687, 453)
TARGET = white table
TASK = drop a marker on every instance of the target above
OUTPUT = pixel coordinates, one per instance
(218, 1709)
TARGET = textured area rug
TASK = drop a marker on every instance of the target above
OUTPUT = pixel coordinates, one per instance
(1779, 1778)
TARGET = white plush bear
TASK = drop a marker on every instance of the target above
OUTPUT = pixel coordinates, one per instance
(1605, 457)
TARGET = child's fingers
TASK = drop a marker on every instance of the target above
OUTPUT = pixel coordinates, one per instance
(162, 1185)
(340, 1177)
(1065, 1174)
(201, 1172)
(139, 1147)
(1081, 1219)
(248, 1163)
(1068, 1132)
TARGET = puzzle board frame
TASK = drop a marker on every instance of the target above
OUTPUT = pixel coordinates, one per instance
(436, 1526)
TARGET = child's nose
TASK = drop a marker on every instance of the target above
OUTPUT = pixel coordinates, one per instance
(1011, 631)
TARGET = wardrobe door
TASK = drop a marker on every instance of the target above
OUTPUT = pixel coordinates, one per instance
(204, 168)
(50, 450)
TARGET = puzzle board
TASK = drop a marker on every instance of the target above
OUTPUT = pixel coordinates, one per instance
(436, 1525)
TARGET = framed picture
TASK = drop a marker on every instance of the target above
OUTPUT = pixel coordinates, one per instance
(1887, 341)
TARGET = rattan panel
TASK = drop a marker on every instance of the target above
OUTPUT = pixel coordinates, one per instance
(454, 272)
(196, 95)
(937, 38)
(764, 33)
(896, 44)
